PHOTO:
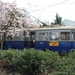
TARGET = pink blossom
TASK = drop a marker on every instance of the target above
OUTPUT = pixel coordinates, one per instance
(11, 16)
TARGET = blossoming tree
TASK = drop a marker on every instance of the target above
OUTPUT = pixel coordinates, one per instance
(12, 16)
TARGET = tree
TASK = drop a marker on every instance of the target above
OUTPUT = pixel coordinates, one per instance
(58, 19)
(12, 16)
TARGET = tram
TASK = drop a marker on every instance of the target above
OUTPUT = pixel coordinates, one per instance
(54, 38)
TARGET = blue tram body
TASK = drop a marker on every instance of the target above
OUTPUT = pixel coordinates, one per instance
(56, 39)
(62, 46)
(13, 44)
(37, 45)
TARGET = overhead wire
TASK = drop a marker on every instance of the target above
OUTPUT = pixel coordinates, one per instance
(49, 6)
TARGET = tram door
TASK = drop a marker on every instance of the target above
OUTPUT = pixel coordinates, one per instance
(1, 40)
(32, 39)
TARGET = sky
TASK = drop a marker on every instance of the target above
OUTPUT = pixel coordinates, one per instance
(45, 10)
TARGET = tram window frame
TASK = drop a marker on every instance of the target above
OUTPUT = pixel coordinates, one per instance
(10, 37)
(32, 36)
(7, 34)
(54, 33)
(73, 36)
(17, 38)
(1, 37)
(65, 36)
(26, 38)
(42, 35)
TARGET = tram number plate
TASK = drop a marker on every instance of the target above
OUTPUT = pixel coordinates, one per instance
(53, 43)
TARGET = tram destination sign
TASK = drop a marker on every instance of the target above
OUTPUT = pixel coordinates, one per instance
(53, 43)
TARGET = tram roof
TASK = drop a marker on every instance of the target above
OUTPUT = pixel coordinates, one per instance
(55, 28)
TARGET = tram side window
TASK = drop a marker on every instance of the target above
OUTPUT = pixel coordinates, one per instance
(32, 36)
(43, 36)
(74, 36)
(17, 37)
(10, 36)
(65, 35)
(26, 38)
(0, 38)
(54, 35)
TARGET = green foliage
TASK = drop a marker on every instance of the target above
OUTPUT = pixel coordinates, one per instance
(9, 54)
(63, 54)
(60, 73)
(58, 19)
(37, 62)
(65, 65)
(31, 61)
(72, 54)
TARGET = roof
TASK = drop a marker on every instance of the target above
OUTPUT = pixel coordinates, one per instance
(55, 28)
(67, 22)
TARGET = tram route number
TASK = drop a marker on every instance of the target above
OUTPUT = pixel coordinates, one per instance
(53, 43)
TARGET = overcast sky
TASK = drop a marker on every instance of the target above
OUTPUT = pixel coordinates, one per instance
(47, 9)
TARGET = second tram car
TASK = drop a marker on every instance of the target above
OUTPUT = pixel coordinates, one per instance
(55, 38)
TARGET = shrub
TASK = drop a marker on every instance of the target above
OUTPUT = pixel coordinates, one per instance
(31, 61)
(65, 65)
(72, 54)
(59, 73)
(63, 54)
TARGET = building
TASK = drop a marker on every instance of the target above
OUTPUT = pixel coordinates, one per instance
(67, 22)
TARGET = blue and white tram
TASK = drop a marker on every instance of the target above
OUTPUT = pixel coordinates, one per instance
(55, 38)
